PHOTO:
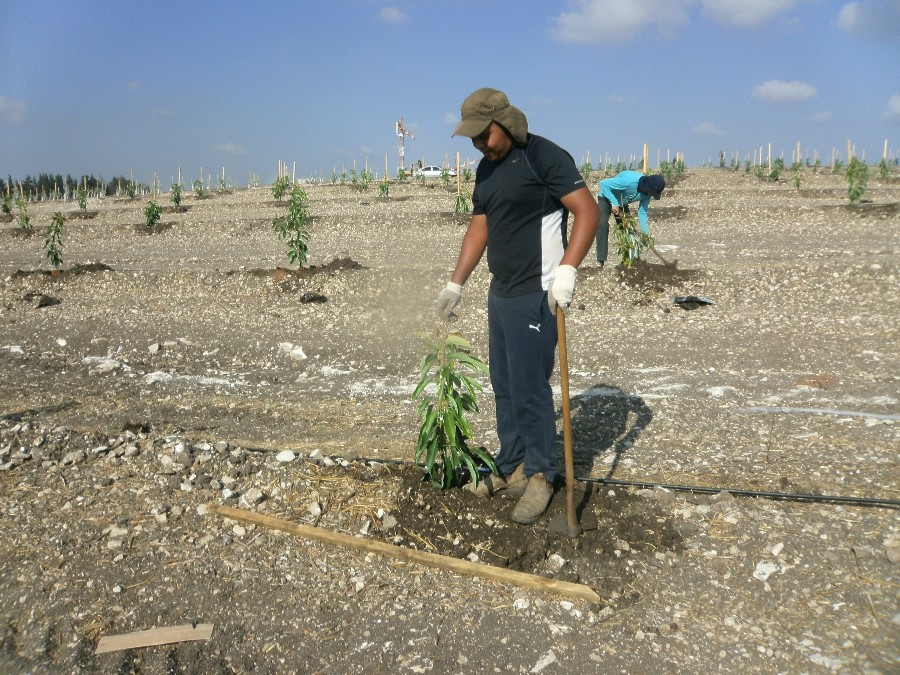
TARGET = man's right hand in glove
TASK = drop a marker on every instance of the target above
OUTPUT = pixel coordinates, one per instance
(448, 300)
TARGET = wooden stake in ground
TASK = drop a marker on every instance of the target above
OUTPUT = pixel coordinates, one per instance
(565, 588)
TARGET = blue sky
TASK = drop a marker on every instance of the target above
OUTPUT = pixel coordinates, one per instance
(113, 87)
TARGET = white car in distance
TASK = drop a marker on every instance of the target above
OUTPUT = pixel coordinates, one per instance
(433, 172)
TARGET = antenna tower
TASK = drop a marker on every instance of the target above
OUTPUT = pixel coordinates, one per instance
(401, 132)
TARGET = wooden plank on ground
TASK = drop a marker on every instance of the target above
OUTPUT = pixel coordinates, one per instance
(154, 637)
(523, 579)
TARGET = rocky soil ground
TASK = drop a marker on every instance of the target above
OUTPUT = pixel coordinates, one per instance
(161, 371)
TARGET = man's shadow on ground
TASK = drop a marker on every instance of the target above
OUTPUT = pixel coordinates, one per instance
(606, 422)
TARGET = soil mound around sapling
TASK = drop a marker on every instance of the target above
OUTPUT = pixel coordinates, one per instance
(280, 274)
(458, 524)
(82, 215)
(157, 228)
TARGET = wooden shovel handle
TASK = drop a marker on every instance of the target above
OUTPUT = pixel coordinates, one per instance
(571, 517)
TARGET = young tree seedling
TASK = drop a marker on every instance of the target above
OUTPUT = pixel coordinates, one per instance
(857, 179)
(280, 186)
(24, 219)
(631, 241)
(796, 169)
(445, 393)
(53, 239)
(152, 213)
(291, 228)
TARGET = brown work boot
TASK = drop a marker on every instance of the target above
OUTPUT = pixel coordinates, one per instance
(516, 483)
(535, 500)
(487, 486)
(512, 485)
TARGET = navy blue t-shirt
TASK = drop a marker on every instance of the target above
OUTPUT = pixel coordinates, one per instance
(526, 221)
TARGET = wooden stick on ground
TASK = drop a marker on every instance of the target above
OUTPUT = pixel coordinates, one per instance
(565, 588)
(154, 637)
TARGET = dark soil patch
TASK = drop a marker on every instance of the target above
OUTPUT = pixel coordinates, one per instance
(82, 215)
(285, 274)
(458, 524)
(158, 228)
(176, 209)
(6, 217)
(656, 276)
(868, 210)
(73, 271)
(454, 218)
(822, 193)
(395, 199)
(40, 300)
(22, 233)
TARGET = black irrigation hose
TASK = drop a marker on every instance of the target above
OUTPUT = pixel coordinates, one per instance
(782, 496)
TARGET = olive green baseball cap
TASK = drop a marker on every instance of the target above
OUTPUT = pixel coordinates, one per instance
(488, 105)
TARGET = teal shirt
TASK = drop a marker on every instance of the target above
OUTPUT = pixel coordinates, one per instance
(622, 189)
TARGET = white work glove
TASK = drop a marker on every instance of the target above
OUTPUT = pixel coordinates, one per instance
(562, 288)
(448, 300)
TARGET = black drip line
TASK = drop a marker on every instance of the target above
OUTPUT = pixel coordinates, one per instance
(699, 489)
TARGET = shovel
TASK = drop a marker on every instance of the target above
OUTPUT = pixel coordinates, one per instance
(573, 529)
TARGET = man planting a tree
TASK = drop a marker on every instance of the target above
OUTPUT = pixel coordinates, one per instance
(524, 190)
(617, 193)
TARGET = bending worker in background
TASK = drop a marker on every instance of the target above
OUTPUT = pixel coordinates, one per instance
(525, 188)
(619, 191)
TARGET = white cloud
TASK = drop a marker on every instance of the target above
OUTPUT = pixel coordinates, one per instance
(160, 112)
(871, 19)
(822, 117)
(133, 85)
(745, 13)
(708, 128)
(893, 112)
(230, 149)
(617, 21)
(784, 92)
(13, 111)
(392, 15)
